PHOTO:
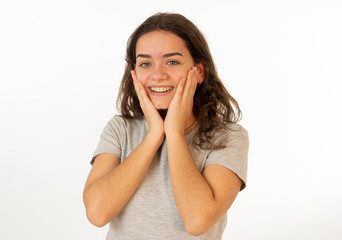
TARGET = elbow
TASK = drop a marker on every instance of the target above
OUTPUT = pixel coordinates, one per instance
(95, 218)
(95, 214)
(97, 223)
(197, 226)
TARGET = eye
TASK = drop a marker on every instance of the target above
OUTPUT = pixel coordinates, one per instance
(172, 62)
(144, 64)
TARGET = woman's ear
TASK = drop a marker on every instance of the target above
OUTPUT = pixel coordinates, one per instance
(200, 68)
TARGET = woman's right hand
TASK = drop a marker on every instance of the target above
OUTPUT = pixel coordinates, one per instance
(153, 118)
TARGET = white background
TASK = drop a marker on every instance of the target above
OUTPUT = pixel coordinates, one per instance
(61, 63)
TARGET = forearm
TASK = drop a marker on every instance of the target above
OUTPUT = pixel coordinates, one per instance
(194, 197)
(105, 197)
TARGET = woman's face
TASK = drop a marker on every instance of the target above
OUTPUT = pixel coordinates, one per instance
(162, 60)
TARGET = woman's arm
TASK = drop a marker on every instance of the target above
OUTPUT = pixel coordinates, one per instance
(201, 199)
(110, 185)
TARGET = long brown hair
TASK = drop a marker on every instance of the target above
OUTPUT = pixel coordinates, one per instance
(213, 106)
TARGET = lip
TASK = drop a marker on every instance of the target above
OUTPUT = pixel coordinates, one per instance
(160, 93)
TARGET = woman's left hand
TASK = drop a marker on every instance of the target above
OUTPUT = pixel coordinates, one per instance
(180, 108)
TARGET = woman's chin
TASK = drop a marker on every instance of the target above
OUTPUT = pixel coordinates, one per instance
(161, 106)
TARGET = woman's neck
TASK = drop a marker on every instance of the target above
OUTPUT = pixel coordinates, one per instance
(190, 124)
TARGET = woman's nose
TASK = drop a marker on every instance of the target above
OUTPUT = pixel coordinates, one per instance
(158, 73)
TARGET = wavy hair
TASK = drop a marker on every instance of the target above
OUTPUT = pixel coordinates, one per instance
(213, 106)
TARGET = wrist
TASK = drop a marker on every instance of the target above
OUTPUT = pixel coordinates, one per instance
(156, 138)
(174, 134)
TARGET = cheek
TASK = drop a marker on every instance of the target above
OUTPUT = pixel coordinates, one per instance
(142, 77)
(179, 75)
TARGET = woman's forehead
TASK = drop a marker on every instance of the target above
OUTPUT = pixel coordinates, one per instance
(159, 43)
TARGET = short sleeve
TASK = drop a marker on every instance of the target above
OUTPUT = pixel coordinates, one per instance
(234, 155)
(110, 139)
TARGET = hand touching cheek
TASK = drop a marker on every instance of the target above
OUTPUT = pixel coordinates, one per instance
(154, 121)
(180, 114)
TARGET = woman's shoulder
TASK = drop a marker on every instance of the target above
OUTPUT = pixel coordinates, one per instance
(120, 122)
(119, 119)
(230, 128)
(230, 132)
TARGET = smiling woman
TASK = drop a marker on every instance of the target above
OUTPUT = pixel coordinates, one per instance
(171, 165)
(162, 62)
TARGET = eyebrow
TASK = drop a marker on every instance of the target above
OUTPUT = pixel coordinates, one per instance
(164, 56)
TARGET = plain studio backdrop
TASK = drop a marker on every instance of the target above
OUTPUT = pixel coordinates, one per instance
(61, 64)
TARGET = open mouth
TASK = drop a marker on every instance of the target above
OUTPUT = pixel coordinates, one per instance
(160, 89)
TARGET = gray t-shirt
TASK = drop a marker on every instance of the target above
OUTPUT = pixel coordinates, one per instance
(151, 213)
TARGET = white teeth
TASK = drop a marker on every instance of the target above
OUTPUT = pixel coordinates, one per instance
(160, 89)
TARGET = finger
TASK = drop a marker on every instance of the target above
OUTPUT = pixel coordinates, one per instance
(191, 83)
(192, 78)
(180, 89)
(143, 93)
(135, 83)
(196, 77)
(140, 90)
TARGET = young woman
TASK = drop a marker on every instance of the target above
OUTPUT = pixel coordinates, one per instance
(171, 165)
